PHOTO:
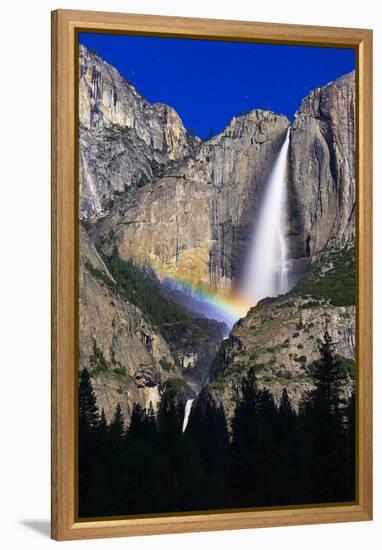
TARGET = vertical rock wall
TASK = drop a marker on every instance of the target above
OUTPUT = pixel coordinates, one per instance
(322, 169)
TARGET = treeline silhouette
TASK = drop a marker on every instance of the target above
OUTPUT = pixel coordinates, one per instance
(273, 457)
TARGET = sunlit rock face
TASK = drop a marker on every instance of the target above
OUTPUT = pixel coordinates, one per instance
(195, 223)
(125, 141)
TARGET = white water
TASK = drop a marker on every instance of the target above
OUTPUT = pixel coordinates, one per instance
(187, 411)
(266, 268)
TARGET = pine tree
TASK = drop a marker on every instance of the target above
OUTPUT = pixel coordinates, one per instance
(218, 457)
(115, 263)
(169, 429)
(253, 467)
(243, 485)
(287, 454)
(328, 374)
(102, 426)
(136, 428)
(102, 437)
(194, 492)
(88, 414)
(169, 420)
(350, 431)
(266, 452)
(117, 425)
(323, 430)
(206, 440)
(151, 426)
(287, 415)
(151, 414)
(88, 419)
(221, 432)
(245, 415)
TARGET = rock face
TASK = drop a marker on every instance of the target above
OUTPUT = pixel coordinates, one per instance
(130, 360)
(123, 352)
(125, 141)
(281, 347)
(322, 169)
(187, 209)
(195, 222)
(195, 344)
(280, 337)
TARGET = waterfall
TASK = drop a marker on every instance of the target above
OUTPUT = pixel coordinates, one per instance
(187, 411)
(266, 270)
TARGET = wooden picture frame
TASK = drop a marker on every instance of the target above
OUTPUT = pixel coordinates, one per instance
(65, 25)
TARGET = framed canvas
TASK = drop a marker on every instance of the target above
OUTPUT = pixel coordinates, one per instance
(211, 274)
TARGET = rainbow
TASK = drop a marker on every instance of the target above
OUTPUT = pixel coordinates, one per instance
(230, 306)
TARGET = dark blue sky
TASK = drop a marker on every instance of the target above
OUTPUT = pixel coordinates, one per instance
(209, 81)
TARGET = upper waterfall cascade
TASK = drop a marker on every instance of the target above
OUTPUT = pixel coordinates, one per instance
(266, 271)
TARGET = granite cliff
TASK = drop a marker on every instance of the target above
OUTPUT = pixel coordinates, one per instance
(194, 223)
(130, 358)
(123, 352)
(281, 336)
(322, 169)
(180, 207)
(124, 140)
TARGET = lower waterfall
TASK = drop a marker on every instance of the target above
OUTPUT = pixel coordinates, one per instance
(187, 411)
